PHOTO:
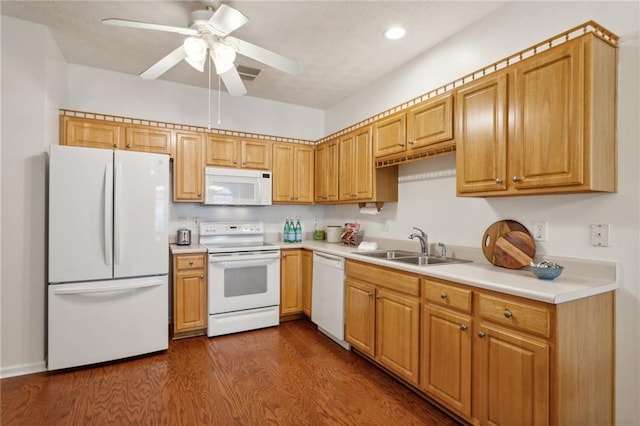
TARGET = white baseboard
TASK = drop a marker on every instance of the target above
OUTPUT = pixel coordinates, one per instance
(22, 369)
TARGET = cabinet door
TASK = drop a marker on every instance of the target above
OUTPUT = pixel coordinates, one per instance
(481, 147)
(222, 151)
(148, 139)
(360, 316)
(291, 282)
(346, 168)
(320, 176)
(303, 174)
(547, 148)
(446, 357)
(283, 175)
(512, 385)
(255, 154)
(430, 122)
(188, 168)
(389, 135)
(397, 333)
(307, 279)
(362, 163)
(189, 294)
(330, 171)
(90, 133)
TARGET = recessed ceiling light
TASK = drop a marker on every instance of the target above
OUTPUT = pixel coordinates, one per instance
(394, 33)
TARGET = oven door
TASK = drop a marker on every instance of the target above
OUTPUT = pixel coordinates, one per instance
(245, 280)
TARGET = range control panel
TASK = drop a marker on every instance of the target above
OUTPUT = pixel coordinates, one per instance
(231, 228)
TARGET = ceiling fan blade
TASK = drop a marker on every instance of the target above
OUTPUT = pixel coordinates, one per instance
(148, 26)
(164, 64)
(225, 20)
(263, 55)
(233, 82)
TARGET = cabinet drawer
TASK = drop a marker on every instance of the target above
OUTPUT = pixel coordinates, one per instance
(399, 281)
(447, 295)
(532, 318)
(195, 261)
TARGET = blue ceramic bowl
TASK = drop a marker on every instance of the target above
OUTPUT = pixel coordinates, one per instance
(547, 273)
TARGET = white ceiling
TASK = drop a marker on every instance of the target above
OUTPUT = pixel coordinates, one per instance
(339, 44)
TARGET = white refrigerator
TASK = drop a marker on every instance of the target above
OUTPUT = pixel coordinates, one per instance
(108, 259)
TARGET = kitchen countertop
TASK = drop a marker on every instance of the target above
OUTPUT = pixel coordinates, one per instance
(580, 278)
(192, 248)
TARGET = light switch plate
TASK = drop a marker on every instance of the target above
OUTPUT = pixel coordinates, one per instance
(600, 235)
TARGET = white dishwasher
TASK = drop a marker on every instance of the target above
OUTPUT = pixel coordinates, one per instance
(328, 296)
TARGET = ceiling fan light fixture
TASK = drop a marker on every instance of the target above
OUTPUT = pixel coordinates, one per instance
(197, 63)
(223, 57)
(196, 48)
(395, 33)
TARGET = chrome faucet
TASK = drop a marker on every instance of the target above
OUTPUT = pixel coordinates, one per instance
(424, 240)
(443, 250)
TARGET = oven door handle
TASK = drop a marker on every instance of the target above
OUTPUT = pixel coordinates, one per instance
(245, 260)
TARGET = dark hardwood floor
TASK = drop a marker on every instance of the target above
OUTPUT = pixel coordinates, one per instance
(286, 375)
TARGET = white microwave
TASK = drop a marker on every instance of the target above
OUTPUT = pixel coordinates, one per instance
(237, 187)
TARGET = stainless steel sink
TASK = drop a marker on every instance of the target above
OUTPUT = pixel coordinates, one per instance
(391, 254)
(430, 260)
(412, 258)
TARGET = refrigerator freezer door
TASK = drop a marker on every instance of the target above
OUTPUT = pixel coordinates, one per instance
(80, 214)
(141, 208)
(106, 320)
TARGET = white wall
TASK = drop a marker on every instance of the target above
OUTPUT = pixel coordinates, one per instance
(108, 92)
(427, 188)
(33, 88)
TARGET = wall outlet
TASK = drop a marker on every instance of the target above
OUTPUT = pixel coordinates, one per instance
(196, 222)
(600, 235)
(540, 231)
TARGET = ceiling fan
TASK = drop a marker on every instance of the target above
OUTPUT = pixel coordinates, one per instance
(209, 36)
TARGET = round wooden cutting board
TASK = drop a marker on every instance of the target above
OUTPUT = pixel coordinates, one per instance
(509, 244)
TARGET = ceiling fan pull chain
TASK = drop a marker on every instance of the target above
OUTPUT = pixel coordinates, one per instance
(219, 112)
(209, 94)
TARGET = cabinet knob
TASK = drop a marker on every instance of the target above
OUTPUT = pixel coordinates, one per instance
(370, 294)
(400, 144)
(115, 145)
(244, 163)
(235, 162)
(201, 277)
(199, 194)
(411, 142)
(296, 198)
(191, 262)
(128, 145)
(463, 327)
(515, 179)
(507, 314)
(481, 334)
(443, 295)
(498, 181)
(378, 297)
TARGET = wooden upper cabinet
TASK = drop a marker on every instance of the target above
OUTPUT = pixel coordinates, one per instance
(293, 173)
(230, 151)
(326, 172)
(148, 139)
(430, 123)
(560, 113)
(188, 168)
(427, 125)
(389, 135)
(90, 133)
(222, 151)
(356, 165)
(481, 152)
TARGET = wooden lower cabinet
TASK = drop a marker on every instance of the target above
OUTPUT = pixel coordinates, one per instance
(383, 319)
(189, 294)
(291, 282)
(307, 281)
(490, 358)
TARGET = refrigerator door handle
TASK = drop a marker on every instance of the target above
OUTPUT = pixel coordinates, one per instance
(92, 288)
(117, 249)
(108, 206)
